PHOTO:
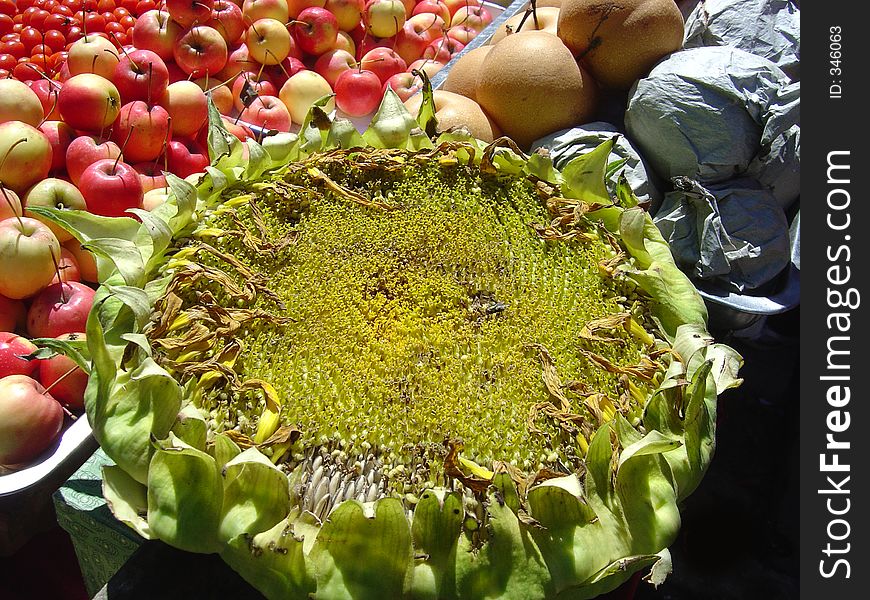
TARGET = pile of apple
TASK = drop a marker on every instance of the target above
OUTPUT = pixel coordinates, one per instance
(41, 296)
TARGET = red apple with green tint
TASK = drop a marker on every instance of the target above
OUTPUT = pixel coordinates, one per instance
(65, 378)
(12, 348)
(13, 314)
(88, 102)
(315, 30)
(54, 193)
(58, 309)
(140, 75)
(59, 136)
(25, 156)
(67, 267)
(156, 31)
(227, 19)
(141, 129)
(201, 51)
(84, 151)
(188, 13)
(111, 187)
(28, 251)
(30, 420)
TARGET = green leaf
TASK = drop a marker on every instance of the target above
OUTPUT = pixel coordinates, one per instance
(158, 229)
(256, 495)
(136, 299)
(77, 350)
(184, 196)
(223, 449)
(392, 124)
(584, 175)
(435, 531)
(274, 562)
(218, 136)
(624, 194)
(127, 499)
(126, 257)
(377, 531)
(185, 493)
(343, 134)
(426, 115)
(190, 427)
(258, 160)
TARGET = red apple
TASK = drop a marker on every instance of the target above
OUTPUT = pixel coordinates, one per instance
(187, 105)
(88, 102)
(54, 193)
(238, 61)
(25, 156)
(45, 90)
(13, 315)
(226, 18)
(294, 7)
(30, 420)
(156, 31)
(369, 43)
(436, 7)
(279, 74)
(19, 102)
(384, 18)
(315, 30)
(188, 13)
(246, 86)
(60, 136)
(333, 63)
(84, 151)
(28, 251)
(358, 92)
(201, 51)
(140, 75)
(428, 25)
(442, 50)
(142, 130)
(64, 377)
(404, 84)
(454, 5)
(186, 157)
(268, 41)
(462, 33)
(476, 17)
(110, 187)
(220, 94)
(384, 62)
(12, 348)
(241, 131)
(58, 309)
(267, 112)
(414, 36)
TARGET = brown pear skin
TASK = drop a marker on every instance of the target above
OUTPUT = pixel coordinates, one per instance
(619, 41)
(454, 110)
(531, 85)
(547, 20)
(462, 76)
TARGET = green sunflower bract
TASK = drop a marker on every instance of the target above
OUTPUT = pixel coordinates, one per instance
(396, 366)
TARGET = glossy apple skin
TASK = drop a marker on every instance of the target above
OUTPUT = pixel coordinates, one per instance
(111, 188)
(156, 31)
(30, 420)
(88, 102)
(70, 390)
(26, 250)
(318, 31)
(268, 112)
(23, 163)
(201, 51)
(12, 347)
(228, 20)
(58, 309)
(142, 130)
(60, 136)
(383, 62)
(68, 267)
(86, 261)
(188, 12)
(140, 75)
(20, 102)
(186, 157)
(54, 193)
(84, 151)
(358, 92)
(13, 315)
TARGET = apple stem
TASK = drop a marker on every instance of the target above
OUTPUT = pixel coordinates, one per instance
(135, 64)
(150, 81)
(63, 298)
(43, 75)
(124, 147)
(8, 201)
